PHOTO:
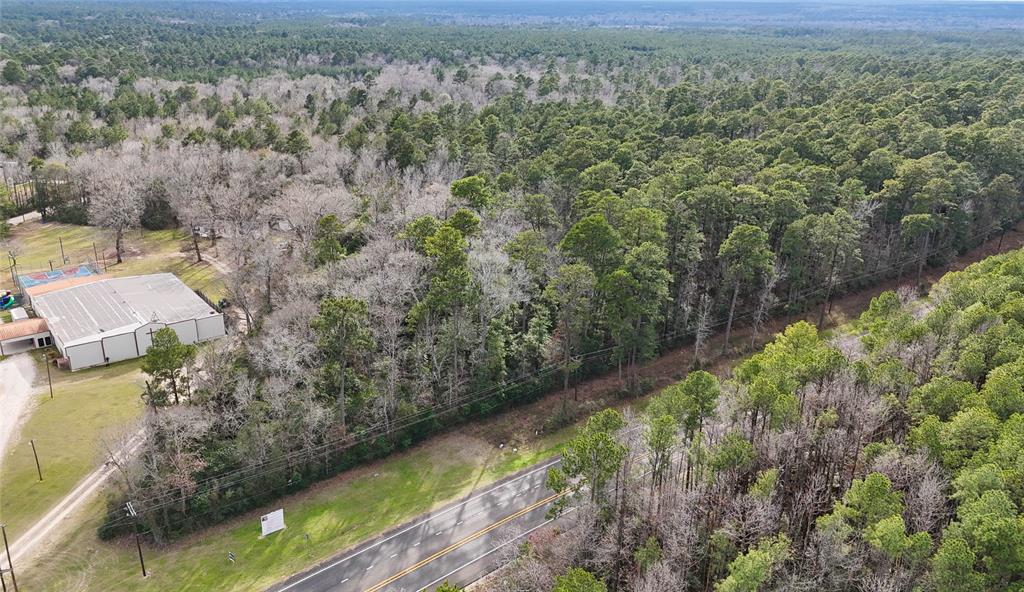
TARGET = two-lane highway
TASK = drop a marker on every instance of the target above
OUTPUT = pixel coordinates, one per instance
(459, 543)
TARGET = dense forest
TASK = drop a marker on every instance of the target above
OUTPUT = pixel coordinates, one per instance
(425, 223)
(886, 458)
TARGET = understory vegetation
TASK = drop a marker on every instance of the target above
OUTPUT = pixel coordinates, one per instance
(421, 224)
(888, 458)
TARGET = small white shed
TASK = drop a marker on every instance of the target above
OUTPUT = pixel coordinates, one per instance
(22, 335)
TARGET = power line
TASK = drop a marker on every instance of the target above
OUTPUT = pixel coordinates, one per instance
(246, 474)
(237, 477)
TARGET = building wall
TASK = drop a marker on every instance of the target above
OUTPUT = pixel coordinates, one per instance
(142, 335)
(186, 331)
(85, 355)
(114, 348)
(17, 345)
(210, 327)
(119, 347)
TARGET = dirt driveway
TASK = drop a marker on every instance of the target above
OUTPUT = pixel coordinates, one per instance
(17, 376)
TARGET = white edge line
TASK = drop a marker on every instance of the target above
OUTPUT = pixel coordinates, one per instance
(472, 561)
(417, 525)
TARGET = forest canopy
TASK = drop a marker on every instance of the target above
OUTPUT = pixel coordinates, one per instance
(888, 457)
(426, 222)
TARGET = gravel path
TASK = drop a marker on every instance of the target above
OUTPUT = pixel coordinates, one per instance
(44, 530)
(17, 375)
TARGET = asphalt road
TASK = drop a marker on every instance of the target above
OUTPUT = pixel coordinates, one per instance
(459, 543)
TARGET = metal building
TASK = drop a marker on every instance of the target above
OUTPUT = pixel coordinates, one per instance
(106, 320)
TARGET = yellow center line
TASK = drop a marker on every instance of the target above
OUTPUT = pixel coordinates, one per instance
(468, 539)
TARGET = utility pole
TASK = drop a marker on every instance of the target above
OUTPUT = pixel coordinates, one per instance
(48, 380)
(10, 566)
(63, 259)
(14, 270)
(130, 509)
(36, 456)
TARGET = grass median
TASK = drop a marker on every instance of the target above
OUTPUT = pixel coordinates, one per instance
(331, 516)
(67, 430)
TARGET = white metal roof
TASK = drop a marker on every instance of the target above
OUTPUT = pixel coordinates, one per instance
(84, 313)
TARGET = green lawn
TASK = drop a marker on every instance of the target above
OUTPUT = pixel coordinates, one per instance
(86, 406)
(37, 244)
(338, 514)
(146, 251)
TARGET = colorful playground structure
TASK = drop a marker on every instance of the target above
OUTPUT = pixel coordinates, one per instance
(7, 301)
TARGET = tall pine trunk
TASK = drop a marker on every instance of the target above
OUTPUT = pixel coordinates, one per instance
(923, 257)
(831, 282)
(342, 402)
(732, 311)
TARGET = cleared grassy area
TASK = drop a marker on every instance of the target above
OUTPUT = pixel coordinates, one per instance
(336, 514)
(67, 430)
(37, 244)
(91, 404)
(87, 405)
(145, 251)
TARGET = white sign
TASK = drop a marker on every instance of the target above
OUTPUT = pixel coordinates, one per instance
(272, 522)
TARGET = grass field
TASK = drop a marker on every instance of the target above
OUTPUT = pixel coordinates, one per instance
(335, 515)
(67, 430)
(145, 251)
(91, 404)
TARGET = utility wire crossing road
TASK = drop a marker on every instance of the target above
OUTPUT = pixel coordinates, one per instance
(459, 543)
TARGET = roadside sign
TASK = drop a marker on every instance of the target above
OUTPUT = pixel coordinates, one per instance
(231, 557)
(272, 522)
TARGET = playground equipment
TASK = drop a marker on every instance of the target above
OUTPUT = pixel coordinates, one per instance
(7, 301)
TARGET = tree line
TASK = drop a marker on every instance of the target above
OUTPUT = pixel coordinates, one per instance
(887, 457)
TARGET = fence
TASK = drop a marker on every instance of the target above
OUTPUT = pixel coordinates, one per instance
(49, 194)
(214, 305)
(21, 192)
(54, 255)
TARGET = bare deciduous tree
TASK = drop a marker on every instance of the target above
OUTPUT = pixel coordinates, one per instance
(114, 190)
